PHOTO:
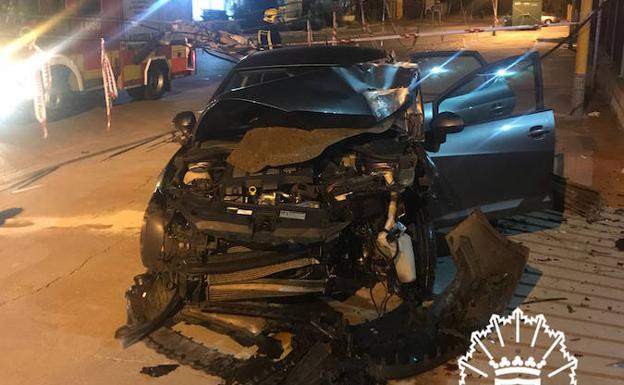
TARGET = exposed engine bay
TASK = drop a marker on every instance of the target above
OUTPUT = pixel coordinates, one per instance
(273, 225)
(312, 227)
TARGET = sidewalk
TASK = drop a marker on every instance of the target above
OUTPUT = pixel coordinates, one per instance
(593, 152)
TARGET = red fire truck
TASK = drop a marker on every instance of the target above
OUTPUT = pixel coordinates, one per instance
(143, 57)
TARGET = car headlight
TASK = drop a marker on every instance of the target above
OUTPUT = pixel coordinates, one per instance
(385, 102)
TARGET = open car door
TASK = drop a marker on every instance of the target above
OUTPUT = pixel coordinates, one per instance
(439, 70)
(495, 142)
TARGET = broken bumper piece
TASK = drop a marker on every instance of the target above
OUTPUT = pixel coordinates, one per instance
(406, 341)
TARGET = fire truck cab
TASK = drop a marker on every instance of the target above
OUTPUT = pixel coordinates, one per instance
(139, 42)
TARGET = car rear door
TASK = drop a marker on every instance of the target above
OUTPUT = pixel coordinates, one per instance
(502, 160)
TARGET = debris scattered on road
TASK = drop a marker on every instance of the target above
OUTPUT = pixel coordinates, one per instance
(594, 253)
(619, 244)
(451, 367)
(570, 309)
(489, 268)
(594, 114)
(538, 300)
(547, 259)
(619, 364)
(580, 199)
(159, 370)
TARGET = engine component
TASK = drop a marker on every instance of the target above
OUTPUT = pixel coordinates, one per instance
(197, 171)
(404, 263)
(264, 288)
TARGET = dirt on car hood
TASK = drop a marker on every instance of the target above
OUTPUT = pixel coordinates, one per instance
(278, 146)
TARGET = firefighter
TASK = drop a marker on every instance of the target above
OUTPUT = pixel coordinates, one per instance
(268, 34)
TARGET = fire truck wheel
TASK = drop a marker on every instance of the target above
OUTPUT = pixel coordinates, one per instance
(156, 82)
(62, 97)
(136, 93)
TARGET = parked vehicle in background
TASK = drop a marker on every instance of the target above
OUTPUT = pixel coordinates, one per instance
(69, 36)
(550, 18)
(546, 18)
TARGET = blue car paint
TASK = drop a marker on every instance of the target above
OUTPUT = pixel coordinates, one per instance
(496, 166)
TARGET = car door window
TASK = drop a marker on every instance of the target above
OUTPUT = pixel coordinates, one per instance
(441, 69)
(503, 89)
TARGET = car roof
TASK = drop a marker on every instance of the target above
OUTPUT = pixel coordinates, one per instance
(316, 55)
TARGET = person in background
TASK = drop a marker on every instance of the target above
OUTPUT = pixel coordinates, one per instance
(268, 34)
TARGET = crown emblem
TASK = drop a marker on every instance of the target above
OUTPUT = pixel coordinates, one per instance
(517, 368)
(517, 350)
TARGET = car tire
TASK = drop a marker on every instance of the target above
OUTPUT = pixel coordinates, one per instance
(547, 21)
(156, 82)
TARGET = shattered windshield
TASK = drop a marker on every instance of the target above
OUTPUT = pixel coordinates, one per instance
(352, 97)
(254, 77)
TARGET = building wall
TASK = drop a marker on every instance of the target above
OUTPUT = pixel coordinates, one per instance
(610, 71)
(612, 33)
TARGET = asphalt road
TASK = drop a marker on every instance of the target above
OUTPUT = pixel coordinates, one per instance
(69, 241)
(24, 150)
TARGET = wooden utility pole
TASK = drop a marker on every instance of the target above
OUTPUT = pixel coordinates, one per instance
(495, 9)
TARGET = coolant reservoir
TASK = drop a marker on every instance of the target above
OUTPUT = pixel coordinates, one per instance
(404, 262)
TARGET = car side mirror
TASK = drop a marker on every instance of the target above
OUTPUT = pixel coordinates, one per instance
(185, 122)
(450, 122)
(444, 123)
